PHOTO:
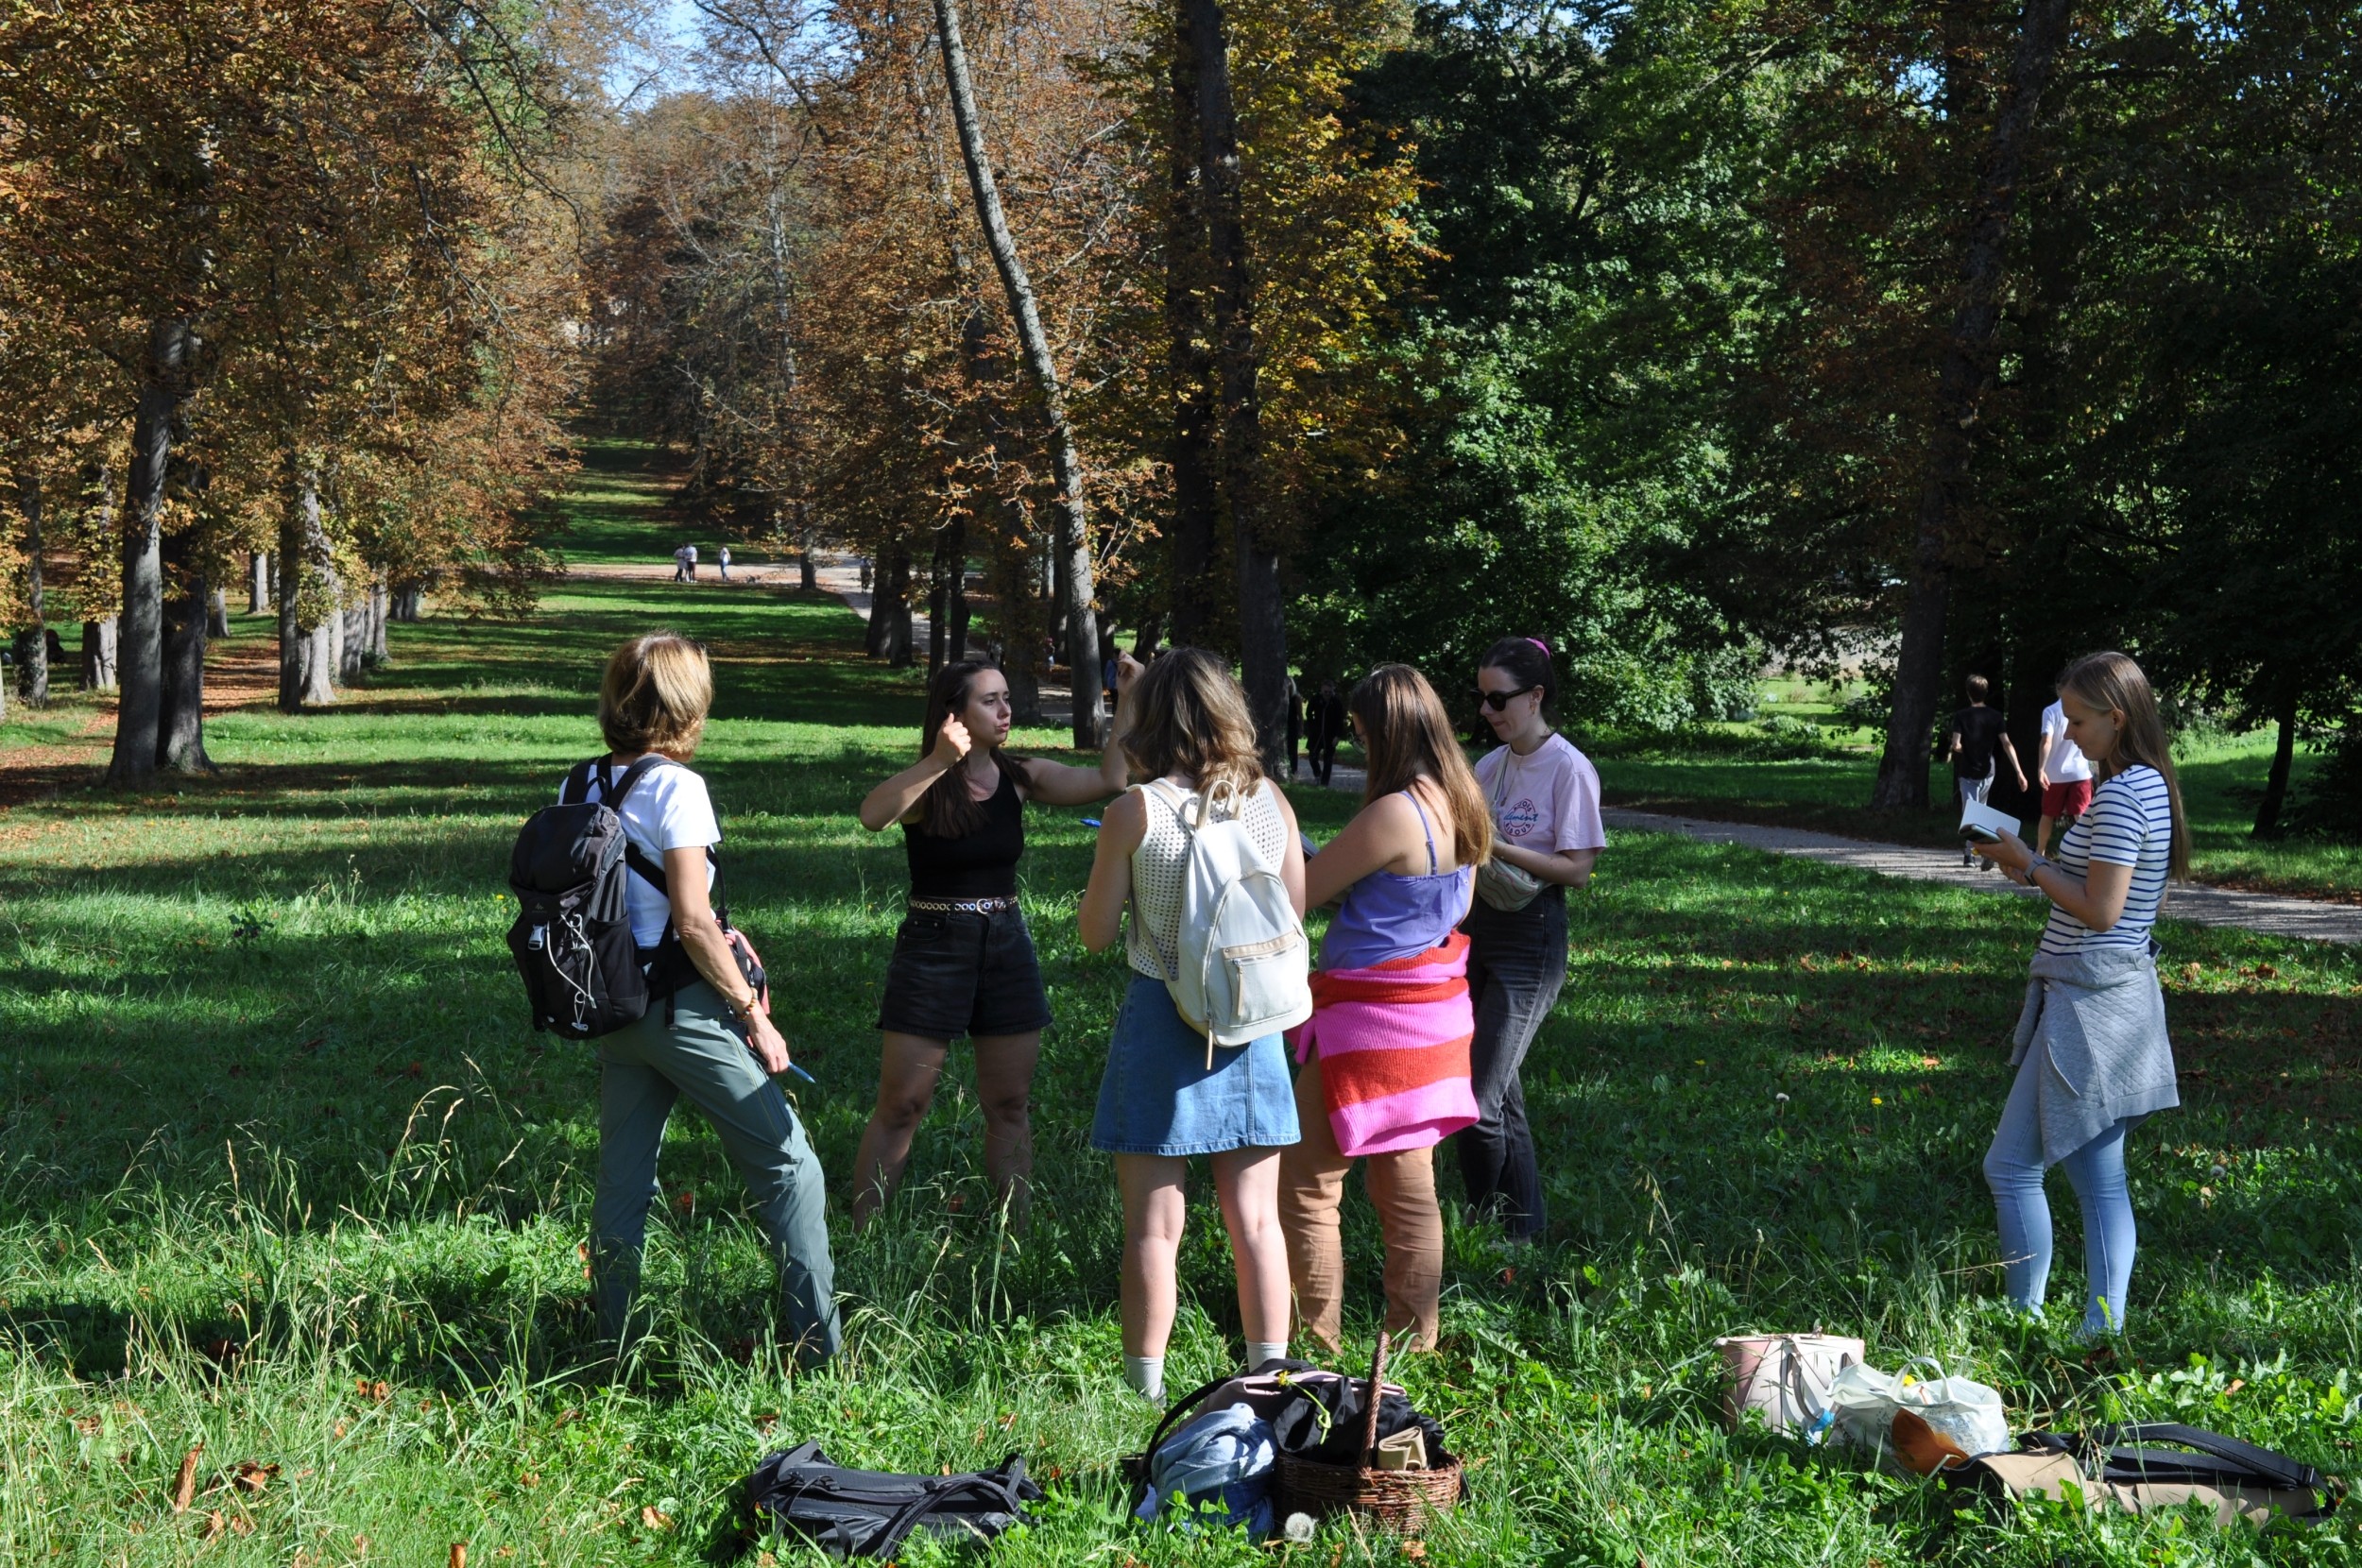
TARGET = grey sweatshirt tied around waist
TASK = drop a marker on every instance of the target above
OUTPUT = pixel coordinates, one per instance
(2099, 1019)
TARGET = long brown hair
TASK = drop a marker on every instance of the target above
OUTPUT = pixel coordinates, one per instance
(1189, 717)
(2112, 681)
(1408, 736)
(948, 811)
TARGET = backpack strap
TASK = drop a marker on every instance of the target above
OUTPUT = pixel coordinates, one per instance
(939, 1490)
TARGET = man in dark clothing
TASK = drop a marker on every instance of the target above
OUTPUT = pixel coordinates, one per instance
(1978, 733)
(1295, 722)
(1324, 727)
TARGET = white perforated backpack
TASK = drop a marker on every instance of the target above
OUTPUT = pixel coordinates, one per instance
(1244, 966)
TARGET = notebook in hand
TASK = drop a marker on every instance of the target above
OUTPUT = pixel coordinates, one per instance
(1983, 824)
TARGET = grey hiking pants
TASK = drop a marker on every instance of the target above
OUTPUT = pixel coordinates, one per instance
(643, 1069)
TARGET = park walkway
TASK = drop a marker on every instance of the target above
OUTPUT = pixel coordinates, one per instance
(2314, 920)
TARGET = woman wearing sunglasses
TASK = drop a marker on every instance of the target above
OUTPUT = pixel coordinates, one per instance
(1547, 833)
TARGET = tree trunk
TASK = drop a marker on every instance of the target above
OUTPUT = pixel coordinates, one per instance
(1262, 612)
(1071, 518)
(352, 641)
(307, 593)
(1965, 376)
(1189, 361)
(955, 591)
(405, 600)
(2283, 761)
(32, 644)
(807, 572)
(140, 667)
(258, 582)
(100, 642)
(180, 733)
(376, 656)
(217, 613)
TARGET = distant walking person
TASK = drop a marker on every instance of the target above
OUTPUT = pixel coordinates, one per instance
(1979, 733)
(1385, 1054)
(680, 564)
(1324, 727)
(964, 960)
(865, 573)
(722, 560)
(1295, 722)
(2092, 1058)
(689, 553)
(1547, 835)
(711, 1041)
(1166, 1095)
(2065, 774)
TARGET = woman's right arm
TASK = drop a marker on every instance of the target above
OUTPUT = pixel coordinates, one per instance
(1101, 919)
(892, 800)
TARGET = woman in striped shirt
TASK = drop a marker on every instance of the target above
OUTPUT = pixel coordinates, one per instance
(2092, 1056)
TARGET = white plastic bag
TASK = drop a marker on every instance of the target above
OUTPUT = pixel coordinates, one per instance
(1785, 1379)
(1959, 1409)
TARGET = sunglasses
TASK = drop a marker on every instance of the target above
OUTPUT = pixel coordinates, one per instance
(1499, 700)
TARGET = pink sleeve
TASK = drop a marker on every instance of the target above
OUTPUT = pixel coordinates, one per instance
(1577, 806)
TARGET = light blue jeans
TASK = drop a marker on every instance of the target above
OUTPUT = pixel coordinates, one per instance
(2014, 1169)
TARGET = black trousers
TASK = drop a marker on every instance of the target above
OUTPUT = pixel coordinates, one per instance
(1516, 965)
(1324, 757)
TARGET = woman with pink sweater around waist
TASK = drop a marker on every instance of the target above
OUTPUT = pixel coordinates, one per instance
(1385, 1053)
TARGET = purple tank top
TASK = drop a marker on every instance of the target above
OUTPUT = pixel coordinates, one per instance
(1386, 915)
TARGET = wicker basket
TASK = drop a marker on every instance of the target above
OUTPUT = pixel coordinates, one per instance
(1398, 1501)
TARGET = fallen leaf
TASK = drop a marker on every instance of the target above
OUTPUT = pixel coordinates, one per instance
(215, 1525)
(652, 1519)
(240, 1525)
(251, 1477)
(2236, 1384)
(459, 1554)
(185, 1485)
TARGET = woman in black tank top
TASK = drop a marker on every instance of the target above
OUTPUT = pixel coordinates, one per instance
(963, 961)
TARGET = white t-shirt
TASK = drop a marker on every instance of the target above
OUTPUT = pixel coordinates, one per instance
(1547, 802)
(668, 808)
(2062, 758)
(691, 551)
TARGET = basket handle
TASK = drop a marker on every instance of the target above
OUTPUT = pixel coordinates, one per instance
(1369, 1422)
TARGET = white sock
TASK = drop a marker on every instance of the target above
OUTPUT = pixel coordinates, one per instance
(1260, 1351)
(1146, 1373)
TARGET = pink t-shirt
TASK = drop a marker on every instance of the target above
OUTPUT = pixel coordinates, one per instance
(1547, 802)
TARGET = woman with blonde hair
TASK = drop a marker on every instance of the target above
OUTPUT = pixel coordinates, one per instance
(2093, 1057)
(1166, 1094)
(1385, 1054)
(708, 1035)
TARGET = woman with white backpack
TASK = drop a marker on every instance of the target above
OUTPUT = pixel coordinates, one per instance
(1172, 1089)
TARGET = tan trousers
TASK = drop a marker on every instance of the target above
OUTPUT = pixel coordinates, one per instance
(1311, 1191)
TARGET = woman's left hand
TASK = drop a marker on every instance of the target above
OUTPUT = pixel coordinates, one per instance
(1127, 671)
(2009, 852)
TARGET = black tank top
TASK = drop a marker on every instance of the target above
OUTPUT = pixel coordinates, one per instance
(982, 864)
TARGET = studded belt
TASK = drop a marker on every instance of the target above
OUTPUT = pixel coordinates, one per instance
(963, 906)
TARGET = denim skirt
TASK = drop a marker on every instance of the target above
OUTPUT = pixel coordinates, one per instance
(1158, 1096)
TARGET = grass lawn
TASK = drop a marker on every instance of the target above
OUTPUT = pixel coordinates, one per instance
(281, 1173)
(1791, 767)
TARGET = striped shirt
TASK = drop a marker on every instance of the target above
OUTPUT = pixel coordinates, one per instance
(2130, 823)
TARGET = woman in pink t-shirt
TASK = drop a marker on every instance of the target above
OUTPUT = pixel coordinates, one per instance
(1545, 797)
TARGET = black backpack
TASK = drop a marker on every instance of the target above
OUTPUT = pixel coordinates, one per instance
(870, 1512)
(572, 939)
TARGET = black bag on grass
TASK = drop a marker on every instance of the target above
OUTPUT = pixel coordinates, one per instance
(572, 939)
(2155, 1465)
(871, 1512)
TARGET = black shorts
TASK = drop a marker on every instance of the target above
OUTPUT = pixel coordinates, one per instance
(959, 972)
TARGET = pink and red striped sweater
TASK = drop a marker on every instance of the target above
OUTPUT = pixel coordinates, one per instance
(1393, 1041)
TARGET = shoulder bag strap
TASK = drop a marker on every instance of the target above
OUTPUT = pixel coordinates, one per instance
(577, 786)
(937, 1491)
(2276, 1468)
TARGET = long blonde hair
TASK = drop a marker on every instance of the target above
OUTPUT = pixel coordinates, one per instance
(2111, 681)
(1189, 717)
(1409, 738)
